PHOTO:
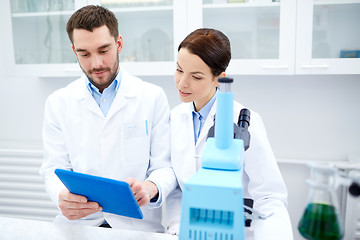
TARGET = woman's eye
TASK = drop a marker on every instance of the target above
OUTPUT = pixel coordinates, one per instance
(179, 70)
(197, 78)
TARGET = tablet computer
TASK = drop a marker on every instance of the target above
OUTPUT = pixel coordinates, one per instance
(113, 196)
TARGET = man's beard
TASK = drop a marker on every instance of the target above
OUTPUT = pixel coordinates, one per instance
(110, 80)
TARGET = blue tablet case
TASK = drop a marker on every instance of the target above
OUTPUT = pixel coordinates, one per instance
(112, 195)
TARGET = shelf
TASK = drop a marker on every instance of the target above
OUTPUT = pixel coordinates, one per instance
(115, 10)
(142, 9)
(143, 12)
(241, 5)
(338, 164)
(331, 2)
(42, 14)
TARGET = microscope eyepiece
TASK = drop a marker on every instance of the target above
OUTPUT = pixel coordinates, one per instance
(225, 80)
(244, 118)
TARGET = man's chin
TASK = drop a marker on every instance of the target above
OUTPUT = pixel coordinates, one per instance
(98, 81)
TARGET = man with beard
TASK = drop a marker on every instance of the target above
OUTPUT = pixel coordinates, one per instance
(107, 123)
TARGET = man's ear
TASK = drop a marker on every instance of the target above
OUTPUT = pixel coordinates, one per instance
(73, 48)
(119, 43)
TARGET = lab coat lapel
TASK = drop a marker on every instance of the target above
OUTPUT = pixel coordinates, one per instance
(91, 104)
(118, 103)
(81, 93)
(209, 122)
(127, 89)
(185, 163)
(190, 160)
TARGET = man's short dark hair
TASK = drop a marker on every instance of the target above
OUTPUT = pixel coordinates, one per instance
(90, 17)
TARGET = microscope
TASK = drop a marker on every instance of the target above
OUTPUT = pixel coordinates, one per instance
(212, 201)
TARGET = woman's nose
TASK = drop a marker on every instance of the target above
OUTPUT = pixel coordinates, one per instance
(183, 81)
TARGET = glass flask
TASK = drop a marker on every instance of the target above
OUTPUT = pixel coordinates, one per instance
(321, 219)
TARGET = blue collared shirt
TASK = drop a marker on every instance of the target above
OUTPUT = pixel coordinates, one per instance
(105, 99)
(199, 117)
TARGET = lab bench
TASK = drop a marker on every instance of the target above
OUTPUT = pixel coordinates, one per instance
(18, 229)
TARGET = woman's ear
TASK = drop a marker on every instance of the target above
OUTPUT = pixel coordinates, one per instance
(223, 74)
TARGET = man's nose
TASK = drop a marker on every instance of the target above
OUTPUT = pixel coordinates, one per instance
(97, 61)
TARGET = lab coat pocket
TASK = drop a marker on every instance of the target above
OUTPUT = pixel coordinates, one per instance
(136, 145)
(135, 129)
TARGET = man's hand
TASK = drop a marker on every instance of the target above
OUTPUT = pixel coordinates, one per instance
(143, 191)
(75, 206)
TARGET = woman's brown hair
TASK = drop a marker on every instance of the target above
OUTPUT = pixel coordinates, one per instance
(212, 46)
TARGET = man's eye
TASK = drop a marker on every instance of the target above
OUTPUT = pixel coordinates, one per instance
(179, 70)
(104, 51)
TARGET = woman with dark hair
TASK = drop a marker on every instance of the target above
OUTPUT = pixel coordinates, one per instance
(203, 57)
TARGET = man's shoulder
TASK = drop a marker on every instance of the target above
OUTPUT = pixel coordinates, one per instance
(151, 86)
(237, 107)
(68, 90)
(139, 82)
(140, 87)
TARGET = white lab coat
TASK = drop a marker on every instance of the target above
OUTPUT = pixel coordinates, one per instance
(133, 140)
(261, 179)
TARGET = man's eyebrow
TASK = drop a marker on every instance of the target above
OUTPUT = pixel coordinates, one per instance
(80, 50)
(104, 46)
(84, 50)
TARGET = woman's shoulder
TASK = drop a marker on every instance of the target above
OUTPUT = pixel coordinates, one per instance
(238, 107)
(255, 118)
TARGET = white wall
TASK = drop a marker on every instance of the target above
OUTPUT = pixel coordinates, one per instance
(307, 117)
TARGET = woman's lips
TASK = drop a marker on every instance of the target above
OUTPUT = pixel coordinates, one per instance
(184, 94)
